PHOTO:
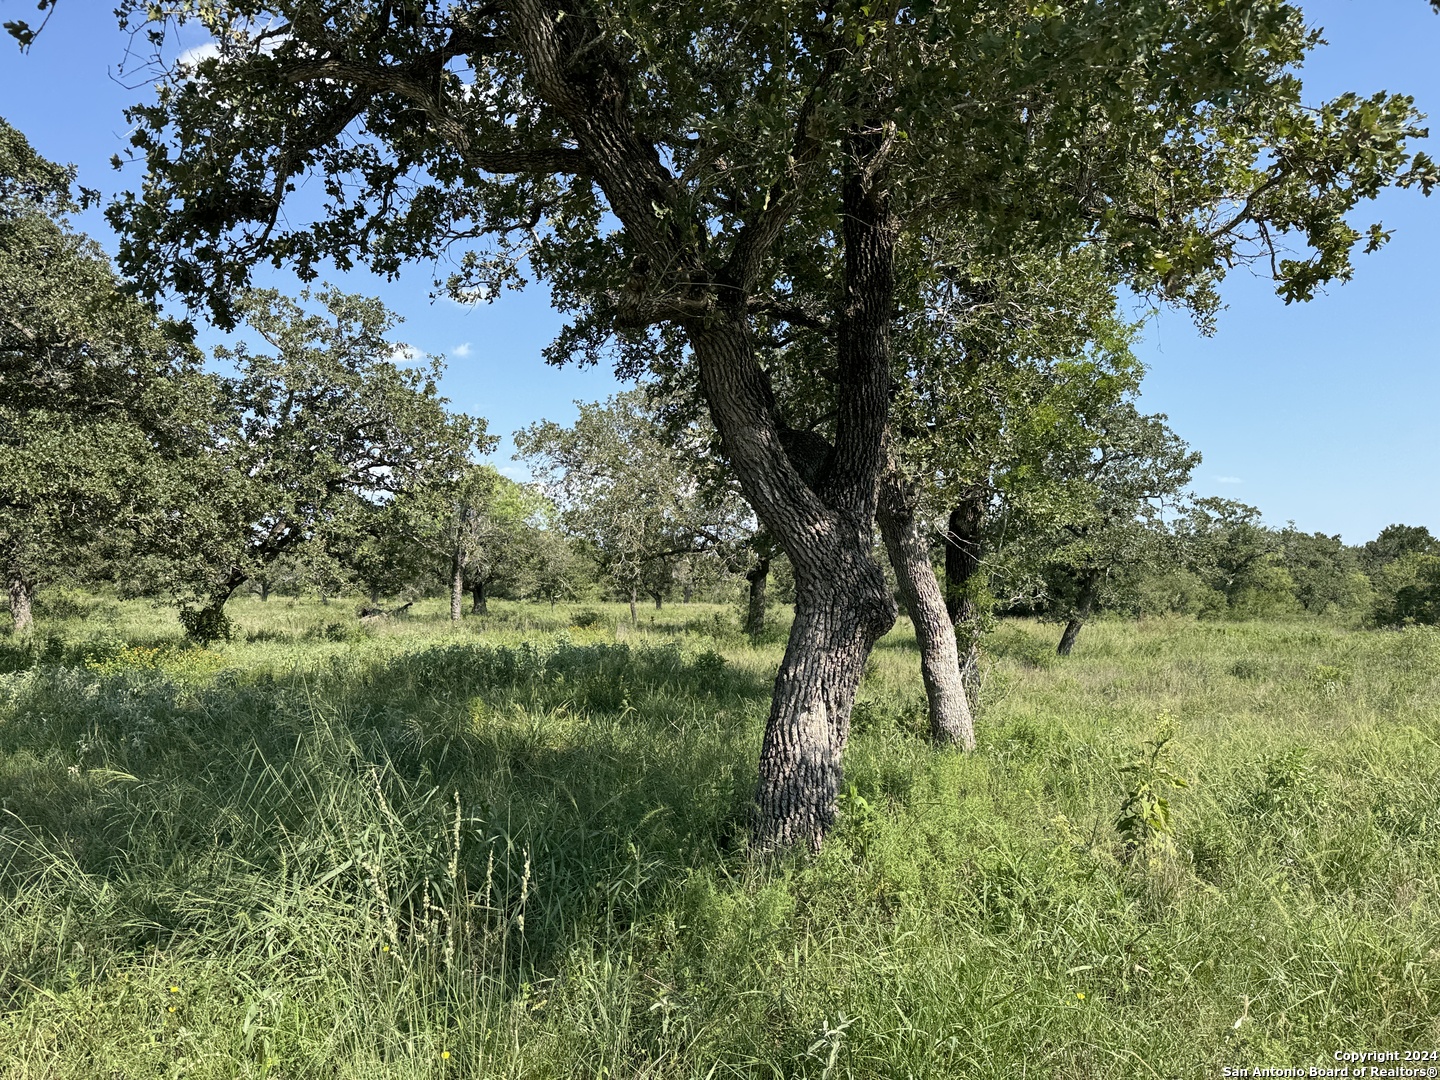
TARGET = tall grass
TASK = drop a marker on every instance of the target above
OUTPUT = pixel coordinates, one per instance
(516, 849)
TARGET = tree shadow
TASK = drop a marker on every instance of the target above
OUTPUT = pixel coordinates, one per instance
(577, 785)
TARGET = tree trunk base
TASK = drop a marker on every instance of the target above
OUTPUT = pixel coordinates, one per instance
(836, 625)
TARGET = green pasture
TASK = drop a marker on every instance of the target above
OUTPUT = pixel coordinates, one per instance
(517, 849)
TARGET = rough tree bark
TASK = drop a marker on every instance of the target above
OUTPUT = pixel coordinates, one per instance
(964, 549)
(22, 600)
(457, 585)
(759, 578)
(909, 550)
(823, 520)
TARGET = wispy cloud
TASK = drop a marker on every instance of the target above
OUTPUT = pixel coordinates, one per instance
(191, 57)
(1228, 480)
(462, 349)
(404, 354)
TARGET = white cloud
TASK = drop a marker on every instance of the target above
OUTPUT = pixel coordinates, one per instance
(404, 354)
(462, 349)
(1228, 480)
(191, 57)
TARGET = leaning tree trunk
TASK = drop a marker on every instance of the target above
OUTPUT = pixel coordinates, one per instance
(909, 549)
(1077, 620)
(964, 549)
(821, 510)
(22, 600)
(479, 601)
(457, 586)
(822, 516)
(759, 578)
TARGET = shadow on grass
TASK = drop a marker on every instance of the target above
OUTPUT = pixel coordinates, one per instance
(573, 785)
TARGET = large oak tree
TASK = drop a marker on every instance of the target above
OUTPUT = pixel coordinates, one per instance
(665, 167)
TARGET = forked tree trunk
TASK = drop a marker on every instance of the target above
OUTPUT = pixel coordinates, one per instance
(964, 550)
(822, 516)
(22, 600)
(759, 578)
(479, 602)
(457, 586)
(909, 550)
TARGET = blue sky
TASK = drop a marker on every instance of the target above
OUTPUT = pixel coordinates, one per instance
(1322, 413)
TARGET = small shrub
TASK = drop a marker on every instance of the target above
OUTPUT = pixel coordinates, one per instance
(207, 624)
(587, 619)
(1144, 821)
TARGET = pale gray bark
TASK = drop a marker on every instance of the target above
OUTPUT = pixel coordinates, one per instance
(951, 722)
(22, 600)
(457, 586)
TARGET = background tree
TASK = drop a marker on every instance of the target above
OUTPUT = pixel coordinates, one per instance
(100, 401)
(1096, 559)
(1227, 546)
(1395, 542)
(1325, 571)
(626, 490)
(318, 429)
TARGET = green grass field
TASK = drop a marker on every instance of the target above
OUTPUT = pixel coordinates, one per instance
(516, 849)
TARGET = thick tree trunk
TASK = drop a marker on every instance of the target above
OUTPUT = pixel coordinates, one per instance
(964, 550)
(759, 578)
(634, 612)
(687, 591)
(457, 586)
(479, 602)
(658, 600)
(800, 758)
(950, 720)
(22, 600)
(264, 589)
(820, 507)
(374, 596)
